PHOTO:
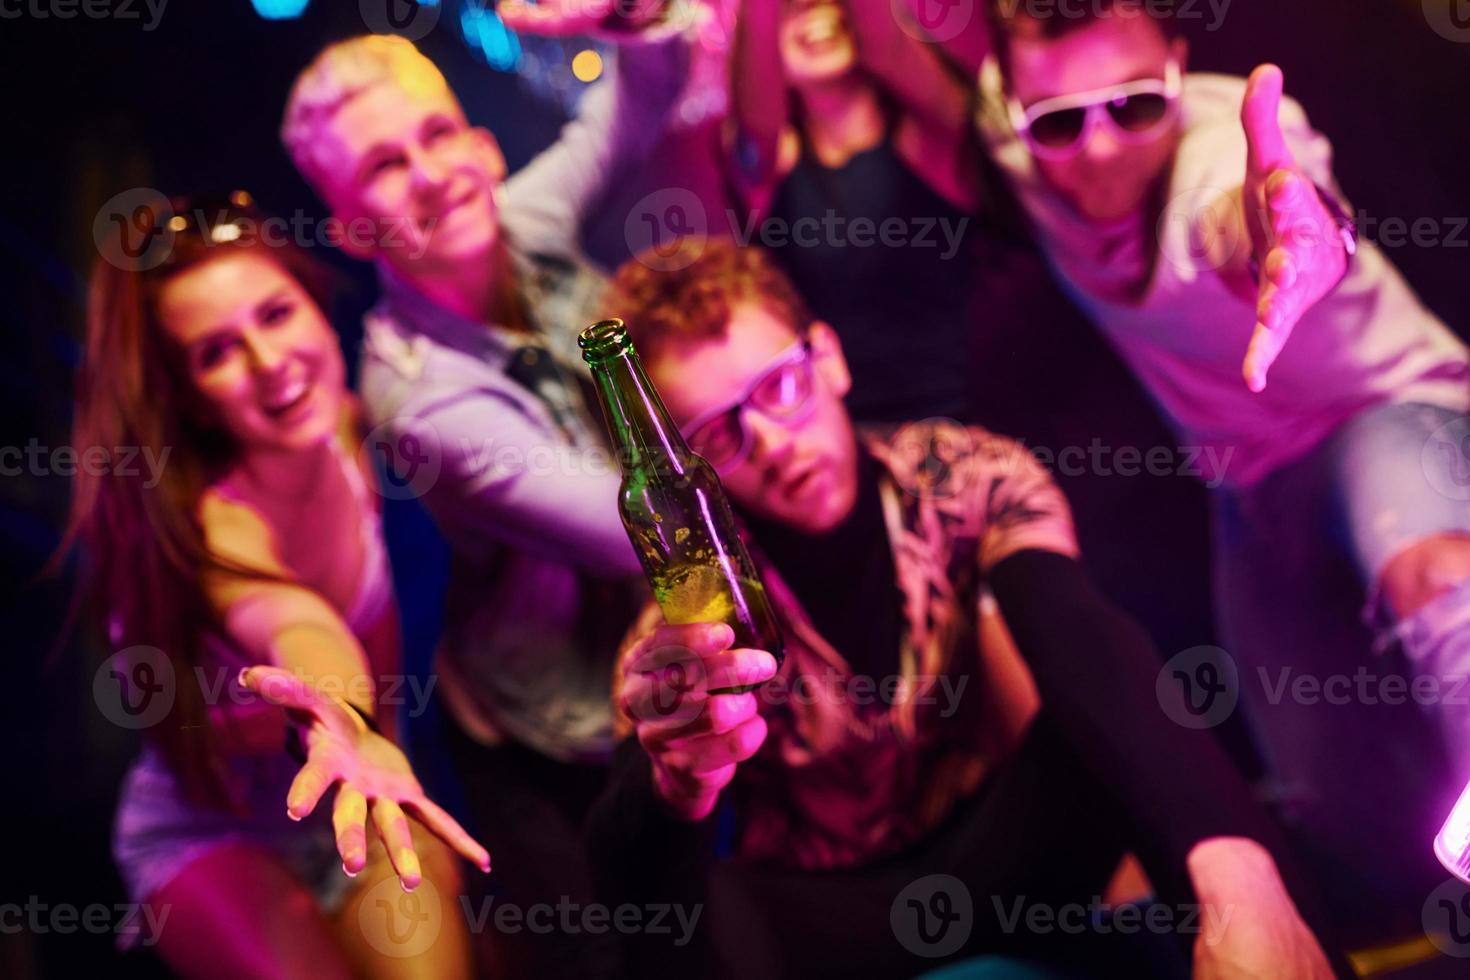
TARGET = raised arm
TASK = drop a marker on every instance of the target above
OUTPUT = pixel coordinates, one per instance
(958, 29)
(311, 664)
(759, 106)
(504, 477)
(622, 119)
(927, 88)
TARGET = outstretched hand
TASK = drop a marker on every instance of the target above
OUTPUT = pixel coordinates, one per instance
(1295, 238)
(372, 775)
(567, 18)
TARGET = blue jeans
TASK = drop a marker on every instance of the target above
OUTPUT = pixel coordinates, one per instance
(1355, 756)
(1402, 474)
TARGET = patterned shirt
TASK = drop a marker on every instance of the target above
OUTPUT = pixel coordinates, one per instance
(854, 768)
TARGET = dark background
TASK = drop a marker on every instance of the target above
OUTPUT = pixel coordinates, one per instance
(89, 108)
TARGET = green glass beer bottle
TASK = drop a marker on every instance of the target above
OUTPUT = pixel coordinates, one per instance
(672, 503)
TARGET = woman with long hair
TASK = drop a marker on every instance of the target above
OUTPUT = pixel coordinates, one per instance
(251, 573)
(851, 149)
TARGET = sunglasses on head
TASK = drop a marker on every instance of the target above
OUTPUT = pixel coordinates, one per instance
(214, 219)
(1058, 128)
(782, 391)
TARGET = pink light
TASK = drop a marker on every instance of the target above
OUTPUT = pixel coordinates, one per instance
(1452, 843)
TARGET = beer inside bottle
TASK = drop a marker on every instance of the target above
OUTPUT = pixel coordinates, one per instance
(672, 504)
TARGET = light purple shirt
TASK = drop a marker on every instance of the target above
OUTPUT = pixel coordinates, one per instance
(518, 481)
(1158, 299)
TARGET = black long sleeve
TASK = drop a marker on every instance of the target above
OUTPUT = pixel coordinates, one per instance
(1096, 671)
(642, 854)
(642, 844)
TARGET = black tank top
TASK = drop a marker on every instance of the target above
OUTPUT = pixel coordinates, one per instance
(888, 263)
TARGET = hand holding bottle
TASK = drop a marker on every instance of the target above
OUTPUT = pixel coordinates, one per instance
(1296, 239)
(694, 736)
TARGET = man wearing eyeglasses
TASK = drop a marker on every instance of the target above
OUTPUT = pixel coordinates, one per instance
(1195, 218)
(900, 737)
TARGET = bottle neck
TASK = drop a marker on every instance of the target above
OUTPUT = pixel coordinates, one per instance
(637, 422)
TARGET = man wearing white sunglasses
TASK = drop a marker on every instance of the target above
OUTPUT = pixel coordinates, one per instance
(1195, 218)
(881, 554)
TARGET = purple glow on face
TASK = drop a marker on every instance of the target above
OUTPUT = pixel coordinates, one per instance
(1452, 844)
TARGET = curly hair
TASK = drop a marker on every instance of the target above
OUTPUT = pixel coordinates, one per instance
(690, 293)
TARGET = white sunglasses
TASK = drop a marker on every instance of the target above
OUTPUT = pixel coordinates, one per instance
(1058, 128)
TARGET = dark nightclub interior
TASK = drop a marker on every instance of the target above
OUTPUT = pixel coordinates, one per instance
(112, 101)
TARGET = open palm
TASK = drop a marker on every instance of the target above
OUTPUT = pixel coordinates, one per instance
(372, 775)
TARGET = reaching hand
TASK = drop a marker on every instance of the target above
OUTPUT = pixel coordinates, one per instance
(694, 737)
(1295, 237)
(371, 773)
(566, 18)
(1249, 927)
